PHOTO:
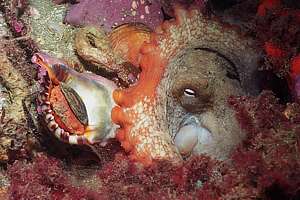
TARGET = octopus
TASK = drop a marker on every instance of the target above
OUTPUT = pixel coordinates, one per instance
(177, 105)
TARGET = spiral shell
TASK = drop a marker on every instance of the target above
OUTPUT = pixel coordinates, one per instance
(127, 39)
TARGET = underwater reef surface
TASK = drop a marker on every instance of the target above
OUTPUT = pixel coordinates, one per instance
(16, 83)
(265, 166)
(48, 30)
(33, 165)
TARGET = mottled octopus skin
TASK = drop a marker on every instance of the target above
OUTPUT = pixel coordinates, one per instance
(138, 111)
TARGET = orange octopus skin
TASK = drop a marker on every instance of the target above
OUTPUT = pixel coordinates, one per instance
(135, 113)
(138, 133)
(137, 108)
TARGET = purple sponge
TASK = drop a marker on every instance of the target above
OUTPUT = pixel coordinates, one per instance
(110, 13)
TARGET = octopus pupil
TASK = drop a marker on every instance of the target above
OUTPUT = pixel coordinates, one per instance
(189, 92)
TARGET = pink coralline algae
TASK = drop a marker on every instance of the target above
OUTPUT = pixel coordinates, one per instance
(43, 179)
(18, 26)
(297, 87)
(295, 76)
(271, 152)
(265, 166)
(277, 26)
(111, 13)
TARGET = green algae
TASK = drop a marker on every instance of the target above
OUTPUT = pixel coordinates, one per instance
(49, 31)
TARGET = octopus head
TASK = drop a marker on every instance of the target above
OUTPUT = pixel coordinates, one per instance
(195, 90)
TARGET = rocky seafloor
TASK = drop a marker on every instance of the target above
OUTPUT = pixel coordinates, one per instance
(33, 165)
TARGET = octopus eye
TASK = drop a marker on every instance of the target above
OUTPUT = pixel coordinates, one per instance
(189, 92)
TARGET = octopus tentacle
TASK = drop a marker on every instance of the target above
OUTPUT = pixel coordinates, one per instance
(142, 131)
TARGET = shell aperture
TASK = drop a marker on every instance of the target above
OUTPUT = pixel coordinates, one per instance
(85, 100)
